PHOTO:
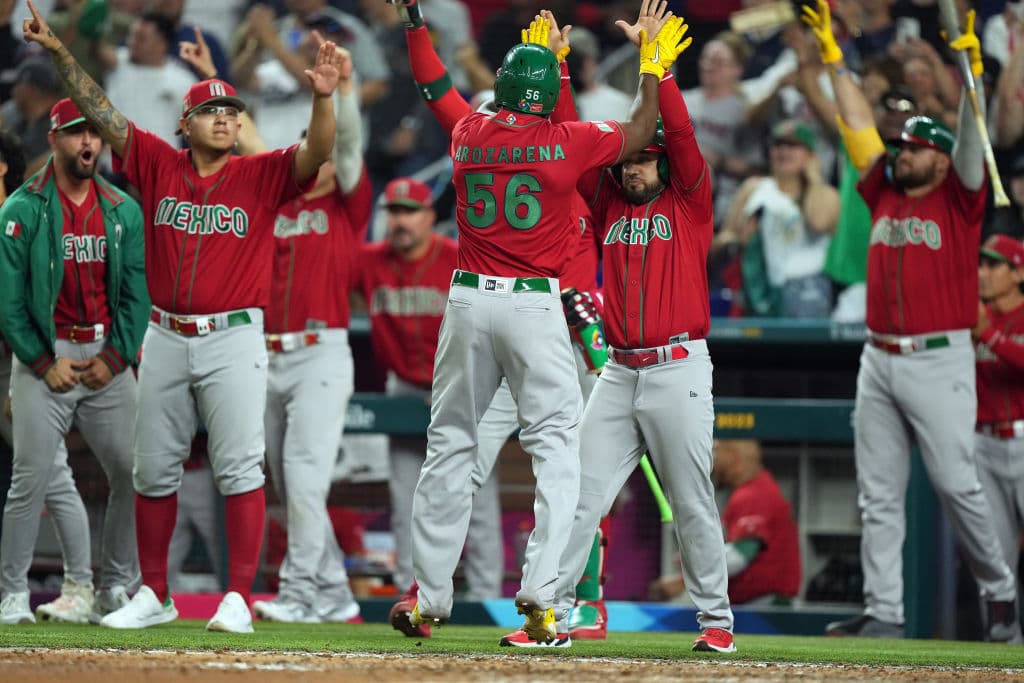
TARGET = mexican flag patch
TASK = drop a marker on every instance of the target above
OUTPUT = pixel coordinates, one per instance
(13, 229)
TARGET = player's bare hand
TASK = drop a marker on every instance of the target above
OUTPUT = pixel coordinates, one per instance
(558, 38)
(95, 374)
(653, 15)
(983, 322)
(324, 76)
(198, 55)
(62, 376)
(36, 30)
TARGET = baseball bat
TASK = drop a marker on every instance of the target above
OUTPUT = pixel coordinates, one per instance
(951, 25)
(659, 495)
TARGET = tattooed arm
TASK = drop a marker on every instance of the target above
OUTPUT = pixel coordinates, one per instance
(92, 101)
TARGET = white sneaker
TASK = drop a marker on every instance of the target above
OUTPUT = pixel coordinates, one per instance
(338, 612)
(74, 604)
(142, 611)
(233, 615)
(108, 600)
(14, 609)
(285, 610)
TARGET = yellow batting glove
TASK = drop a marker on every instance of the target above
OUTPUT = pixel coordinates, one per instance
(821, 23)
(656, 56)
(562, 54)
(537, 32)
(968, 40)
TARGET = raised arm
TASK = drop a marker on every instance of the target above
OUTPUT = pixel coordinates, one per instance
(431, 76)
(323, 79)
(348, 128)
(689, 169)
(90, 98)
(856, 118)
(969, 149)
(657, 55)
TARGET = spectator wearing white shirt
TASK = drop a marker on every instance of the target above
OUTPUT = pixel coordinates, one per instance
(147, 83)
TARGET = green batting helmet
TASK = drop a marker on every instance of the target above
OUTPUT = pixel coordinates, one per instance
(528, 80)
(927, 132)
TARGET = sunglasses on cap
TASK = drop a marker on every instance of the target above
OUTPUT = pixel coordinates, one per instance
(215, 110)
(900, 104)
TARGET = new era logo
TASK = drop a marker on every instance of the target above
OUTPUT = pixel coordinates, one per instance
(693, 394)
(13, 229)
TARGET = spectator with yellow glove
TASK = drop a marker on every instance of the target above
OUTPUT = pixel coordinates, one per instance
(916, 377)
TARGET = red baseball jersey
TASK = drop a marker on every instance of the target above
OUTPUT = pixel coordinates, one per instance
(1000, 366)
(82, 299)
(758, 510)
(406, 301)
(315, 245)
(655, 254)
(208, 240)
(514, 177)
(923, 255)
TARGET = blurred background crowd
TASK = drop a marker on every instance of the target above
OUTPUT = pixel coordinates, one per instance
(791, 236)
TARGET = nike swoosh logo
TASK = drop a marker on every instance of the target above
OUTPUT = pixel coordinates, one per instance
(657, 53)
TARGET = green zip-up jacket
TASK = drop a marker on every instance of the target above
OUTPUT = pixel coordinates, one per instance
(32, 269)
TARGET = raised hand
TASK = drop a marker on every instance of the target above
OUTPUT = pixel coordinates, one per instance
(326, 72)
(198, 55)
(36, 30)
(657, 55)
(968, 41)
(653, 15)
(821, 23)
(558, 38)
(537, 32)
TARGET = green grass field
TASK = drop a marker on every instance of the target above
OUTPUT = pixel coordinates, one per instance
(381, 638)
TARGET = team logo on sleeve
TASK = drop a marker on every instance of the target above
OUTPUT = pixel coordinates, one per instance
(604, 127)
(13, 229)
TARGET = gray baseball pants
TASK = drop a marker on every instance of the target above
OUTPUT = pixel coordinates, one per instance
(308, 391)
(928, 395)
(492, 332)
(41, 475)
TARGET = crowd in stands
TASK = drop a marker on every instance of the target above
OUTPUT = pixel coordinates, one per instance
(791, 237)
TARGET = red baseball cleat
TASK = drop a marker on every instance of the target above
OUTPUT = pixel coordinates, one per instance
(399, 618)
(714, 640)
(521, 638)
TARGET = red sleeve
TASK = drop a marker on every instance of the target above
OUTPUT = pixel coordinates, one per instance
(746, 517)
(145, 157)
(358, 206)
(565, 108)
(688, 169)
(272, 174)
(871, 185)
(433, 80)
(596, 143)
(1008, 350)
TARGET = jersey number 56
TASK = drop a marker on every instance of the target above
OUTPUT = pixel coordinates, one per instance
(521, 209)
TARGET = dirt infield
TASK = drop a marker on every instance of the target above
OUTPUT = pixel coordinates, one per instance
(110, 666)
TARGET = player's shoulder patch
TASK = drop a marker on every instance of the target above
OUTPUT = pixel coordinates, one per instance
(604, 127)
(12, 229)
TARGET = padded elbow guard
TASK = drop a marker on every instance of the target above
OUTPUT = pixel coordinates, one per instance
(863, 145)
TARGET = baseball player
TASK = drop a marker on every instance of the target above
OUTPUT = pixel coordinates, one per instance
(75, 329)
(311, 372)
(999, 437)
(654, 212)
(579, 285)
(209, 246)
(404, 280)
(916, 377)
(514, 174)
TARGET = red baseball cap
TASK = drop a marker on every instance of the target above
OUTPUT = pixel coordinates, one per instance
(65, 114)
(1004, 248)
(409, 193)
(210, 91)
